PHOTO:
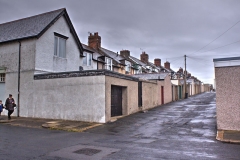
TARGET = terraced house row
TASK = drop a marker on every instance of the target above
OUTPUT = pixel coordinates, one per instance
(52, 74)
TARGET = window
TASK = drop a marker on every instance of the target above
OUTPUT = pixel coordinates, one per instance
(108, 64)
(128, 66)
(60, 45)
(2, 77)
(139, 71)
(87, 60)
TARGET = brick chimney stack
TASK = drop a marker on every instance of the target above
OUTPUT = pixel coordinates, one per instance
(167, 65)
(94, 41)
(144, 57)
(180, 70)
(125, 53)
(157, 62)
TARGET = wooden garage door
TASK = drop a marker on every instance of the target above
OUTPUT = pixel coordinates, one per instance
(116, 101)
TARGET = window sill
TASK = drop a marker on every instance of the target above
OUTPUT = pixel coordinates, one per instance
(59, 57)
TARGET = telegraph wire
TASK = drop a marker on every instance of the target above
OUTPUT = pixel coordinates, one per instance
(216, 38)
(221, 46)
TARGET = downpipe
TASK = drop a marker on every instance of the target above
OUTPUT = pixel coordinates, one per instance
(19, 67)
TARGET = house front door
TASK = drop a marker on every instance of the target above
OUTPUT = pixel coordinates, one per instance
(116, 101)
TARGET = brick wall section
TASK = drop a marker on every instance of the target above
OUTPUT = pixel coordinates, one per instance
(167, 65)
(94, 40)
(227, 98)
(157, 62)
(144, 57)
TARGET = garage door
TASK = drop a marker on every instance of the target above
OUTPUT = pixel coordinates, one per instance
(116, 101)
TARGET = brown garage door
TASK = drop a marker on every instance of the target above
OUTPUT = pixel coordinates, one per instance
(116, 101)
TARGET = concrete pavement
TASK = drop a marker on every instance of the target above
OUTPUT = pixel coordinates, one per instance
(74, 126)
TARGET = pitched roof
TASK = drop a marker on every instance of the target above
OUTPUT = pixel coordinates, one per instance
(137, 61)
(105, 52)
(34, 26)
(116, 57)
(89, 49)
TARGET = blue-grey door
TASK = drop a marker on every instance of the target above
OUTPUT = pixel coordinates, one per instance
(2, 91)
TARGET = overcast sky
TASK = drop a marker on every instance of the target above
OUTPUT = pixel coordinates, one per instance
(165, 29)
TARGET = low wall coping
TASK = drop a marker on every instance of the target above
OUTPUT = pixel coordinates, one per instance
(102, 72)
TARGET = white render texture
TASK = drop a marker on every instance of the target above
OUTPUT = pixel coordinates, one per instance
(9, 53)
(76, 98)
(45, 59)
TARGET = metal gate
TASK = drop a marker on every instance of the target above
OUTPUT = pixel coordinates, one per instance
(116, 101)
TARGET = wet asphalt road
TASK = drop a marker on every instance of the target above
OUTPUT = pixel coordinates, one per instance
(180, 130)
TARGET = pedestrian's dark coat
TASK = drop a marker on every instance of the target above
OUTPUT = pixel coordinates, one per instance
(9, 105)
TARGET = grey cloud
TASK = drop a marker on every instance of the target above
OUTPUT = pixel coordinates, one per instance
(164, 29)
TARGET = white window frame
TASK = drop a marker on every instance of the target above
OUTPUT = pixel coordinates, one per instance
(2, 77)
(87, 60)
(60, 45)
(128, 66)
(108, 65)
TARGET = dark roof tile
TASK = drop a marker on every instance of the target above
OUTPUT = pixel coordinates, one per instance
(27, 27)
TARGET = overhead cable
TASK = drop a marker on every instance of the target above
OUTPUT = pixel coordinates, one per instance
(216, 38)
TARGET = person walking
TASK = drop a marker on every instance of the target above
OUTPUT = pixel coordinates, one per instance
(1, 107)
(9, 105)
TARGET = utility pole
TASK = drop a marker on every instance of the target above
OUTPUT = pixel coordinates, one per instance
(185, 78)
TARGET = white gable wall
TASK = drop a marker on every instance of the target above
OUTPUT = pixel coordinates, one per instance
(45, 59)
(9, 53)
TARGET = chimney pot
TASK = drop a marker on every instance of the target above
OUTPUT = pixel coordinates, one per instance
(157, 62)
(94, 41)
(167, 65)
(180, 70)
(144, 57)
(125, 53)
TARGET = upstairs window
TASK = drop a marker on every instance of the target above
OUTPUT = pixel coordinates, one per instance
(87, 60)
(2, 77)
(139, 71)
(60, 45)
(108, 64)
(128, 66)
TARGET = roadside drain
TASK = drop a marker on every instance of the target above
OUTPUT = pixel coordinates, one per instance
(83, 152)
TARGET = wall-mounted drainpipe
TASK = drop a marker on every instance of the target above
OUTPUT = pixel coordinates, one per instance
(19, 66)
